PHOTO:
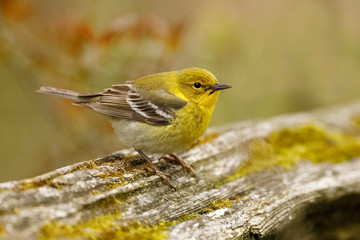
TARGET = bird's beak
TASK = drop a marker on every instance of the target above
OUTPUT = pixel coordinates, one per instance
(219, 86)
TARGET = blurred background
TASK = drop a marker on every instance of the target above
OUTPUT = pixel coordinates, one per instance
(280, 56)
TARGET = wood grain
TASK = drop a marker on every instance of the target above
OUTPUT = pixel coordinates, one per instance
(272, 203)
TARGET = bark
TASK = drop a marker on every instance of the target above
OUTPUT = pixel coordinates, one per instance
(307, 201)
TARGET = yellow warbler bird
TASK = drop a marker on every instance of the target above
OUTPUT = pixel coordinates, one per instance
(160, 113)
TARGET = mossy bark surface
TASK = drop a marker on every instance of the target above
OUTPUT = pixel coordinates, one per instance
(290, 176)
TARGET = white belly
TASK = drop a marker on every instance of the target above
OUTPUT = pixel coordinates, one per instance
(148, 138)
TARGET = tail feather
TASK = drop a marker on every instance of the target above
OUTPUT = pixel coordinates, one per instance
(76, 96)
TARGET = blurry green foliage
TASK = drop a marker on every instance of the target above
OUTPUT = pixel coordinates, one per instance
(280, 56)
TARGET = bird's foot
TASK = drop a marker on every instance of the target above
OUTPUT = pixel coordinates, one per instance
(153, 171)
(165, 177)
(188, 167)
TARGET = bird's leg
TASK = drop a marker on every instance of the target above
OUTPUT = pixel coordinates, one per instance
(184, 164)
(167, 159)
(151, 170)
(156, 170)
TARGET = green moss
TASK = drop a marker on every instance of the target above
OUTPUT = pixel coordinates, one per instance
(111, 174)
(212, 206)
(221, 203)
(115, 185)
(108, 226)
(139, 231)
(217, 204)
(39, 182)
(108, 204)
(31, 184)
(84, 166)
(118, 175)
(186, 217)
(289, 146)
(104, 227)
(88, 229)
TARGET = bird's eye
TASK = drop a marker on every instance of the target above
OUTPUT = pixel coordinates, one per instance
(197, 85)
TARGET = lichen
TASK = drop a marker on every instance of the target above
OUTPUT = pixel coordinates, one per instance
(111, 174)
(84, 166)
(115, 182)
(110, 203)
(115, 185)
(108, 226)
(217, 204)
(39, 182)
(31, 183)
(104, 227)
(285, 148)
(117, 174)
(87, 229)
(221, 203)
(186, 217)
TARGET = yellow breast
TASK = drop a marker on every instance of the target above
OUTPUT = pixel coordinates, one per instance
(188, 126)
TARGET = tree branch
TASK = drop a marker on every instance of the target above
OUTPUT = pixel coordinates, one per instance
(248, 187)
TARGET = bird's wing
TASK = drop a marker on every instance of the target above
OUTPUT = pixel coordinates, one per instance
(128, 102)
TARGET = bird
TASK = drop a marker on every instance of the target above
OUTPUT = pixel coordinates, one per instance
(160, 113)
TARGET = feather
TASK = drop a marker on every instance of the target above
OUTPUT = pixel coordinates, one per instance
(127, 102)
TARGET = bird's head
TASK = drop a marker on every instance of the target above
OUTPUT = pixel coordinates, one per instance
(200, 86)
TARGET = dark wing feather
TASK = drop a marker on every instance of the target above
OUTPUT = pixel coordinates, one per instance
(126, 102)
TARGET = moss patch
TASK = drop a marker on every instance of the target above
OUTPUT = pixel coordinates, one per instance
(221, 203)
(217, 204)
(39, 182)
(104, 227)
(89, 229)
(289, 146)
(108, 226)
(105, 205)
(186, 217)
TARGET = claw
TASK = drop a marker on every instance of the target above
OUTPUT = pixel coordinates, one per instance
(188, 167)
(149, 169)
(167, 159)
(165, 177)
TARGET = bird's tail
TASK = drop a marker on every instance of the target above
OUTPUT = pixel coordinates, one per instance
(78, 97)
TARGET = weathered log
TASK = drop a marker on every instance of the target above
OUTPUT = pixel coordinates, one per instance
(290, 176)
